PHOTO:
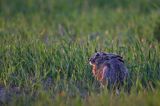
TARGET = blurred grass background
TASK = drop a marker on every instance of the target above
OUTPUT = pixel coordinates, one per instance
(45, 46)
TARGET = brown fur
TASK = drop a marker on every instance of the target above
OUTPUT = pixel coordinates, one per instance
(98, 72)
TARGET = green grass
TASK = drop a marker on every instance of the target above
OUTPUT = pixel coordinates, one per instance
(45, 46)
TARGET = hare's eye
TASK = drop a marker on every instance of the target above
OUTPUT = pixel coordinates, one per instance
(97, 54)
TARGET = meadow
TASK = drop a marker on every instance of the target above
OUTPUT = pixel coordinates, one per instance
(45, 46)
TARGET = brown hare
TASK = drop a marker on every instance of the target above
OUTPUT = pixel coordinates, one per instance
(109, 69)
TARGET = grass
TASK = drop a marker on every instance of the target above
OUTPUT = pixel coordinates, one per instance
(45, 46)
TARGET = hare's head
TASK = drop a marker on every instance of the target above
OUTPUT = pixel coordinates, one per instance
(97, 58)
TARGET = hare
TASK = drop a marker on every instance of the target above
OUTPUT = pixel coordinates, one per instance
(109, 69)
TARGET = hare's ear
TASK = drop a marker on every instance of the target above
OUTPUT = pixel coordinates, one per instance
(95, 50)
(100, 49)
